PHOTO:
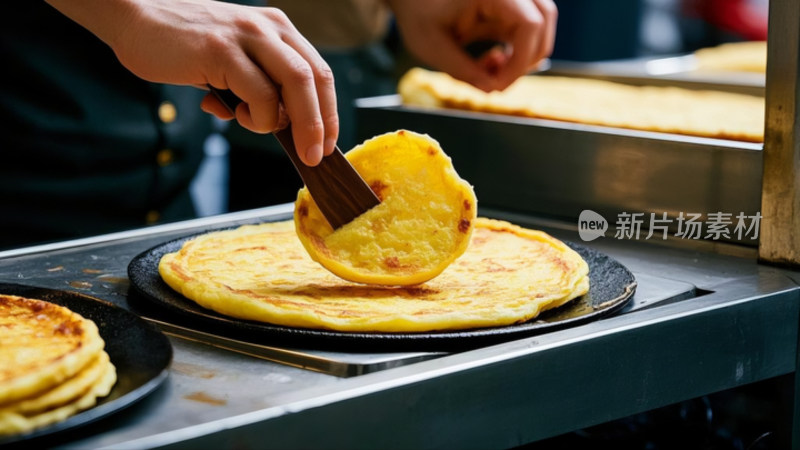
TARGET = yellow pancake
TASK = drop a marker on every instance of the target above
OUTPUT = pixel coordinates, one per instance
(748, 56)
(13, 422)
(703, 113)
(423, 223)
(507, 275)
(43, 344)
(63, 393)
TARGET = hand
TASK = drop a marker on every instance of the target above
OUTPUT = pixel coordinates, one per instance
(254, 52)
(436, 31)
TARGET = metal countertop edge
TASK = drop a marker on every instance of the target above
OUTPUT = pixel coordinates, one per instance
(481, 357)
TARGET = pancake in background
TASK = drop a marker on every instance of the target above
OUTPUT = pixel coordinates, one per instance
(750, 56)
(423, 223)
(705, 113)
(51, 359)
(261, 272)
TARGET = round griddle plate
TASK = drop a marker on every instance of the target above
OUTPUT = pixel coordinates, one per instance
(611, 286)
(140, 352)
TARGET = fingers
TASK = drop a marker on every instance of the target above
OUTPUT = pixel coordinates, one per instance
(533, 37)
(257, 102)
(309, 95)
(550, 14)
(527, 27)
(279, 76)
(306, 88)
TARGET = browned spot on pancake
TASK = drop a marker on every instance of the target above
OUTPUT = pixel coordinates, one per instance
(478, 240)
(378, 187)
(392, 262)
(250, 249)
(431, 151)
(490, 265)
(68, 328)
(35, 306)
(302, 210)
(419, 291)
(467, 205)
(425, 312)
(562, 265)
(202, 397)
(401, 132)
(463, 225)
(179, 272)
(319, 243)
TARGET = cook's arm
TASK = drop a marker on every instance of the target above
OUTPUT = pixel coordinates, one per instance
(255, 52)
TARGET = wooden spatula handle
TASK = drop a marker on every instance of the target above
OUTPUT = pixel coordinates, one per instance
(337, 189)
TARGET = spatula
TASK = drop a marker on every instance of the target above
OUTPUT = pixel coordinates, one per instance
(337, 189)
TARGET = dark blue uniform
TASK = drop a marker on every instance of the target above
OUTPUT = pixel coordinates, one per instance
(88, 148)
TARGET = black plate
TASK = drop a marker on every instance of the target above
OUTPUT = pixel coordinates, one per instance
(140, 352)
(611, 287)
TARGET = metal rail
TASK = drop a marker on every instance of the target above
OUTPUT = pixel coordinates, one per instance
(780, 198)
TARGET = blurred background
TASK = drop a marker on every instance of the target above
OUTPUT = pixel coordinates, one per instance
(367, 57)
(365, 52)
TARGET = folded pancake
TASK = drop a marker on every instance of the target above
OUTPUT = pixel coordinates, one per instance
(423, 223)
(703, 113)
(507, 275)
(52, 364)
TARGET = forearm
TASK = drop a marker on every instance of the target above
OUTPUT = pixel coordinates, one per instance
(106, 19)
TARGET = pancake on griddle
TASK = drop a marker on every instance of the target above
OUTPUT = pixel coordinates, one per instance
(507, 275)
(703, 113)
(52, 364)
(423, 223)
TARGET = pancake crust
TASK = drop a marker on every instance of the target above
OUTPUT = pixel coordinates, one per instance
(261, 272)
(664, 109)
(62, 393)
(43, 344)
(423, 223)
(748, 56)
(14, 422)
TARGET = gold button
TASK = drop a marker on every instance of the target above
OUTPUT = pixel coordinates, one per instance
(167, 112)
(152, 217)
(165, 157)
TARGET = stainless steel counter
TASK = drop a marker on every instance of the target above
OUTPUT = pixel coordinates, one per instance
(700, 323)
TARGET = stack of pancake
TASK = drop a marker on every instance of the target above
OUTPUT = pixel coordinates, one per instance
(52, 364)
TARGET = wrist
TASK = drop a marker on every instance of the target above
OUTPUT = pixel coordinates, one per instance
(106, 19)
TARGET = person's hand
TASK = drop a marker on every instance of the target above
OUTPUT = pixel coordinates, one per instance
(437, 31)
(254, 52)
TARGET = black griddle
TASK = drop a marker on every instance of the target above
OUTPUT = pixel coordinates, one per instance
(611, 286)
